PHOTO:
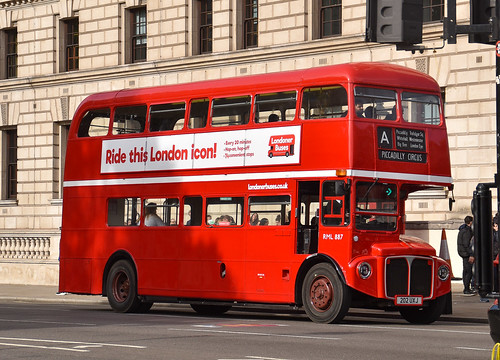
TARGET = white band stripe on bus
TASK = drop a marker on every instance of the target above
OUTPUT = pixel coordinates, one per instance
(259, 176)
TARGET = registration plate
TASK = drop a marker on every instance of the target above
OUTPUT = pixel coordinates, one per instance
(408, 300)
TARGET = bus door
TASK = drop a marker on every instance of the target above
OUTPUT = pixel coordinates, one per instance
(307, 217)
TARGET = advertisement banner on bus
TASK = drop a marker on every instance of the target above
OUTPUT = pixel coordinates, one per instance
(254, 147)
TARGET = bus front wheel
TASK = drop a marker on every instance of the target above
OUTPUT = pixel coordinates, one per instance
(325, 297)
(121, 288)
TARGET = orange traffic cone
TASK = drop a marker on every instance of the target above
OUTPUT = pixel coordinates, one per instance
(444, 252)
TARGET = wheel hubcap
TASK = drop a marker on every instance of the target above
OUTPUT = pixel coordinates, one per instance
(121, 286)
(321, 293)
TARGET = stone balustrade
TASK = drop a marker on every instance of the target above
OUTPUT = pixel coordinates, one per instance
(14, 247)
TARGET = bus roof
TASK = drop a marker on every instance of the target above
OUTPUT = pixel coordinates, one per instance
(379, 74)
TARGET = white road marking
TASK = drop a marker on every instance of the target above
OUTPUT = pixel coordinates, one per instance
(471, 348)
(73, 342)
(426, 329)
(42, 347)
(256, 358)
(255, 334)
(46, 322)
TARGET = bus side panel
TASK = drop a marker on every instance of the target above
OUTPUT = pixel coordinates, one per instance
(75, 276)
(329, 136)
(212, 263)
(270, 268)
(437, 141)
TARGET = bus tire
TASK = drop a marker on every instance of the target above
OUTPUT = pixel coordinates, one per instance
(204, 309)
(121, 288)
(325, 296)
(424, 315)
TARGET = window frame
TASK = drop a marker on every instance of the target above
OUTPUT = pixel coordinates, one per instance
(272, 200)
(250, 24)
(237, 216)
(205, 29)
(11, 55)
(71, 44)
(331, 7)
(430, 8)
(10, 167)
(138, 33)
(135, 206)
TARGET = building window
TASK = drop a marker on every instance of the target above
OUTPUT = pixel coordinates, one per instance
(11, 37)
(139, 34)
(205, 26)
(61, 137)
(71, 35)
(250, 24)
(331, 18)
(10, 167)
(433, 10)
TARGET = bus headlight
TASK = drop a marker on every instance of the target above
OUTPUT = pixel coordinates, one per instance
(443, 273)
(364, 270)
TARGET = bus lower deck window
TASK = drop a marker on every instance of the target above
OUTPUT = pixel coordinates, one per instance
(124, 212)
(269, 210)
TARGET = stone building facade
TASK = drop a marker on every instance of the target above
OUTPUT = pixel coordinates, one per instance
(54, 53)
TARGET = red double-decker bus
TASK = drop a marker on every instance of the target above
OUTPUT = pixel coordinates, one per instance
(170, 194)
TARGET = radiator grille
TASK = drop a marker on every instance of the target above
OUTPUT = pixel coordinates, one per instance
(408, 276)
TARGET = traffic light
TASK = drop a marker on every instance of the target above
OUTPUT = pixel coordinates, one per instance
(394, 21)
(480, 13)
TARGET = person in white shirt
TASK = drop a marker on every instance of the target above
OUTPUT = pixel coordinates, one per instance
(151, 219)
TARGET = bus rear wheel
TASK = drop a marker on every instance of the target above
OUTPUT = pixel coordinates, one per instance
(121, 288)
(424, 315)
(325, 297)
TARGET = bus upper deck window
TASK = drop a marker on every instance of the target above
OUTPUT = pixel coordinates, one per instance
(198, 114)
(376, 103)
(324, 102)
(94, 123)
(275, 107)
(231, 111)
(129, 119)
(421, 108)
(167, 116)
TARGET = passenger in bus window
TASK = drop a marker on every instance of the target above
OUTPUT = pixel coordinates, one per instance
(254, 219)
(274, 118)
(370, 112)
(359, 109)
(264, 221)
(151, 219)
(392, 115)
(278, 220)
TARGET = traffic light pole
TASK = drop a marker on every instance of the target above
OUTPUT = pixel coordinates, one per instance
(497, 80)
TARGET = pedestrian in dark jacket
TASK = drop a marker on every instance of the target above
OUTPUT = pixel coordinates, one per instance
(464, 246)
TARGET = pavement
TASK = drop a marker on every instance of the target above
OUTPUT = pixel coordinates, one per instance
(466, 308)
